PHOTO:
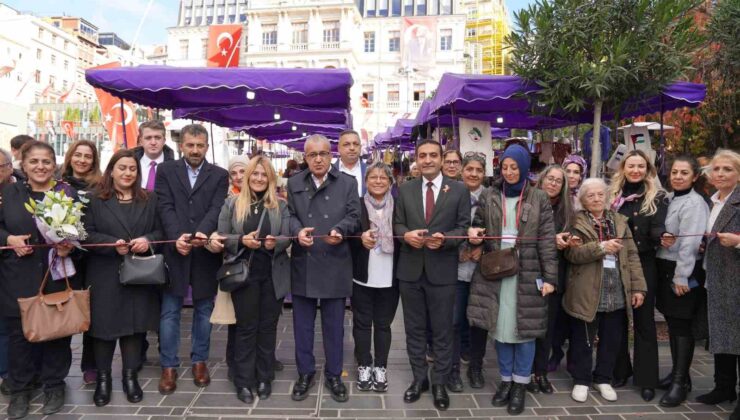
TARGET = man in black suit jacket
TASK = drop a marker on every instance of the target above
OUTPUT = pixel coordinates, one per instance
(428, 211)
(190, 192)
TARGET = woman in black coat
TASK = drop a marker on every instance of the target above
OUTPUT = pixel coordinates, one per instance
(375, 289)
(21, 272)
(120, 212)
(635, 193)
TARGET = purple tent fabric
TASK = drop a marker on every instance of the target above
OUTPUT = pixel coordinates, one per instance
(402, 130)
(284, 130)
(243, 115)
(187, 87)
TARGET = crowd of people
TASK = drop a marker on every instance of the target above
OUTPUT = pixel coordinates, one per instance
(472, 259)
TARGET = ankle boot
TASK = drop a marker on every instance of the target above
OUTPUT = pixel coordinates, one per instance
(679, 388)
(665, 382)
(725, 380)
(131, 386)
(103, 387)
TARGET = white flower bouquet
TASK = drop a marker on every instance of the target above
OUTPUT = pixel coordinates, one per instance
(59, 219)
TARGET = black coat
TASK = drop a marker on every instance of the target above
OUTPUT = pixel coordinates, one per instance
(183, 209)
(361, 255)
(323, 270)
(646, 230)
(117, 310)
(21, 277)
(451, 216)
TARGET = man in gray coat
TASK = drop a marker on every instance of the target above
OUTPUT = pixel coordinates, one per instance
(429, 210)
(324, 208)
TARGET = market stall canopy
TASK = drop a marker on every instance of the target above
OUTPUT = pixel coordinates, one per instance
(243, 115)
(189, 87)
(283, 130)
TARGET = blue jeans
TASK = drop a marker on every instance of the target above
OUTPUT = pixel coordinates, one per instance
(169, 330)
(515, 361)
(3, 348)
(461, 343)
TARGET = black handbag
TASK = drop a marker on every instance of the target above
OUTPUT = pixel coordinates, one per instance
(143, 270)
(234, 272)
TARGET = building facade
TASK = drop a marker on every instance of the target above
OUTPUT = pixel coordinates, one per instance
(486, 27)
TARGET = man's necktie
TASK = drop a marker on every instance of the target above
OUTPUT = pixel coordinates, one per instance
(152, 176)
(430, 203)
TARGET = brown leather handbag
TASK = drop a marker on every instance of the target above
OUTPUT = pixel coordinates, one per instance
(500, 263)
(56, 315)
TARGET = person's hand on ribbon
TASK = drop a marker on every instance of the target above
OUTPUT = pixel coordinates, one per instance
(139, 245)
(334, 238)
(305, 239)
(18, 242)
(183, 244)
(415, 238)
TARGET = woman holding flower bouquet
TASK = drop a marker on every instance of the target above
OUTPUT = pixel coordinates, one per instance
(124, 214)
(22, 270)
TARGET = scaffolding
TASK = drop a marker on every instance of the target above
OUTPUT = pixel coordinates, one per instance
(486, 27)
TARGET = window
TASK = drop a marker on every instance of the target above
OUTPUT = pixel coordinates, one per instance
(184, 48)
(369, 42)
(269, 34)
(393, 93)
(408, 7)
(66, 64)
(300, 33)
(53, 59)
(383, 8)
(445, 40)
(204, 46)
(473, 13)
(394, 41)
(368, 93)
(242, 13)
(66, 45)
(38, 54)
(445, 7)
(37, 76)
(395, 7)
(54, 40)
(209, 20)
(52, 80)
(420, 91)
(471, 32)
(41, 33)
(371, 6)
(220, 19)
(331, 33)
(64, 85)
(421, 7)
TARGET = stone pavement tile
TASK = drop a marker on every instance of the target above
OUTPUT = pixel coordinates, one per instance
(497, 412)
(653, 417)
(426, 402)
(458, 413)
(178, 399)
(280, 401)
(328, 413)
(484, 401)
(706, 370)
(430, 413)
(91, 409)
(550, 411)
(570, 417)
(67, 416)
(604, 417)
(702, 383)
(355, 401)
(561, 399)
(371, 413)
(219, 386)
(153, 411)
(282, 412)
(220, 411)
(219, 400)
(523, 416)
(103, 417)
(178, 411)
(581, 409)
(183, 385)
(702, 408)
(704, 416)
(683, 408)
(632, 409)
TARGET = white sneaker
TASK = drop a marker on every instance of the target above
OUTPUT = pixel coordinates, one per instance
(364, 378)
(579, 393)
(607, 392)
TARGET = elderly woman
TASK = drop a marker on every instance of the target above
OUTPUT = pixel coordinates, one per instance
(722, 262)
(554, 182)
(679, 295)
(473, 174)
(605, 281)
(514, 308)
(375, 289)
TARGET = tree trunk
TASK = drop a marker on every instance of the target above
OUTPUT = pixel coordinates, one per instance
(596, 140)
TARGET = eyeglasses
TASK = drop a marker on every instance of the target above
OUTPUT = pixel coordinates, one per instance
(553, 180)
(452, 162)
(378, 178)
(314, 155)
(6, 165)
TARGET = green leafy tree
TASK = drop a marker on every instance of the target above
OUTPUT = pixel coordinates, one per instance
(595, 55)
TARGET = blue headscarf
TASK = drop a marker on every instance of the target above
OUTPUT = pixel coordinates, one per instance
(523, 160)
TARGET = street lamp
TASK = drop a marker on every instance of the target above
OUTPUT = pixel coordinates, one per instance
(407, 71)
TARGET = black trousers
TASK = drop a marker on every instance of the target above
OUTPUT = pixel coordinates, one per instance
(645, 356)
(56, 359)
(257, 315)
(373, 310)
(87, 362)
(544, 344)
(478, 342)
(421, 299)
(726, 367)
(609, 326)
(130, 352)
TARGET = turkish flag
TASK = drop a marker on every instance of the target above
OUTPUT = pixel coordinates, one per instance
(113, 111)
(69, 128)
(223, 45)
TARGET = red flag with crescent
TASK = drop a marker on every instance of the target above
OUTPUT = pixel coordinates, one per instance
(113, 111)
(69, 128)
(224, 42)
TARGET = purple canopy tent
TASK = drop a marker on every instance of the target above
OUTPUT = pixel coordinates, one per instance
(236, 116)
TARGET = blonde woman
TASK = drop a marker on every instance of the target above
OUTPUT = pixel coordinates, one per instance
(258, 303)
(635, 193)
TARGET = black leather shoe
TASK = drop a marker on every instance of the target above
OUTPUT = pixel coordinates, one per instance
(441, 399)
(544, 384)
(4, 388)
(245, 395)
(278, 366)
(337, 388)
(516, 400)
(413, 393)
(103, 388)
(532, 387)
(619, 382)
(131, 386)
(301, 387)
(647, 394)
(264, 390)
(454, 381)
(717, 396)
(18, 407)
(476, 378)
(53, 401)
(501, 397)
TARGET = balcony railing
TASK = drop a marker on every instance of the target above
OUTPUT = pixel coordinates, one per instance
(392, 104)
(330, 45)
(299, 47)
(269, 48)
(416, 104)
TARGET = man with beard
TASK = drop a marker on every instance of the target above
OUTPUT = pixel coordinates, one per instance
(191, 192)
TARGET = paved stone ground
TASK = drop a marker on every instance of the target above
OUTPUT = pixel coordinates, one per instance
(219, 400)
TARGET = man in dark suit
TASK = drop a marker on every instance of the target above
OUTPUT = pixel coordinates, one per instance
(191, 192)
(349, 161)
(322, 202)
(428, 211)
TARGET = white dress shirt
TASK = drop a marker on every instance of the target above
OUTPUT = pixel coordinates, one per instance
(145, 163)
(356, 172)
(436, 187)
